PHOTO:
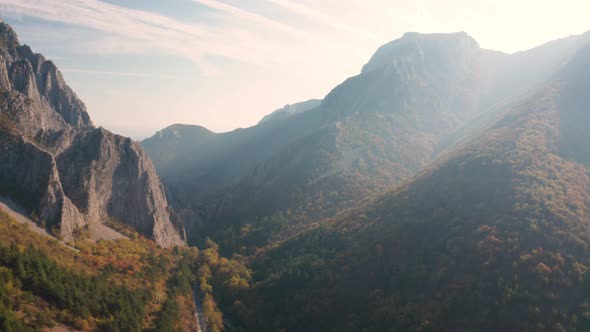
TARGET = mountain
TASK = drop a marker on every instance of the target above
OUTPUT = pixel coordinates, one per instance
(417, 97)
(290, 110)
(493, 236)
(87, 239)
(58, 166)
(174, 143)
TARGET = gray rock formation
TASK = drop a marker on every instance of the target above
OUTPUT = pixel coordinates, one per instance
(110, 177)
(55, 163)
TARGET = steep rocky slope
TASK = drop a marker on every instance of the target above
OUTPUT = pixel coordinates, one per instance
(59, 166)
(412, 101)
(493, 237)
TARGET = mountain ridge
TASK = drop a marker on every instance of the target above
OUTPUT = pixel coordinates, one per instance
(82, 174)
(416, 97)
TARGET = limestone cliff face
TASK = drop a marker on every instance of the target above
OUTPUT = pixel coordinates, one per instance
(55, 162)
(29, 175)
(42, 103)
(110, 177)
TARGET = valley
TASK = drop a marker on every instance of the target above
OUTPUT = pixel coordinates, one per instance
(444, 187)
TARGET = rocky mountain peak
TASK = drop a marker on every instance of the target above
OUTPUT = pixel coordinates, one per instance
(8, 38)
(440, 49)
(54, 162)
(46, 104)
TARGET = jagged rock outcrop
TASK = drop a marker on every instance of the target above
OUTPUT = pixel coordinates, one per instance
(29, 175)
(41, 101)
(57, 164)
(110, 177)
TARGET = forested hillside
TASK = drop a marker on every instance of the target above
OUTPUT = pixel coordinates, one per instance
(121, 285)
(492, 237)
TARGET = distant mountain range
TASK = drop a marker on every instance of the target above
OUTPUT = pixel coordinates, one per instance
(417, 97)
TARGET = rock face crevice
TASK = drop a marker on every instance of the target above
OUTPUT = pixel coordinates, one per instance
(57, 164)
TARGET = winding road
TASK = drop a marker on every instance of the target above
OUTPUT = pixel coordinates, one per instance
(199, 316)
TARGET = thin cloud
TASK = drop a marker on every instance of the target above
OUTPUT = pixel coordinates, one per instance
(233, 33)
(252, 17)
(135, 31)
(104, 17)
(309, 13)
(116, 73)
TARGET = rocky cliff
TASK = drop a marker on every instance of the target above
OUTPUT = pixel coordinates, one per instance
(55, 163)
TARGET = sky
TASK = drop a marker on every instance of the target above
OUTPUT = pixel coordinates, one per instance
(141, 65)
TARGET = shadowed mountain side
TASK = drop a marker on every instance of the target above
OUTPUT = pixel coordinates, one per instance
(494, 236)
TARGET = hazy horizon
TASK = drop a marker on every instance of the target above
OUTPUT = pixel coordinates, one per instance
(143, 65)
